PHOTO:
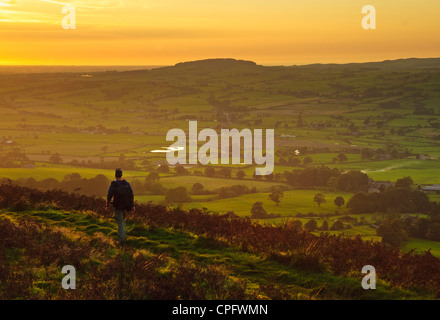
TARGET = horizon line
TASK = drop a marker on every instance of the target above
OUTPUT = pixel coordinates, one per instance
(171, 65)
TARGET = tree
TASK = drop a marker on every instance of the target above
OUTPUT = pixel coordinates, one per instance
(17, 155)
(256, 176)
(319, 198)
(72, 176)
(231, 214)
(392, 231)
(269, 177)
(353, 181)
(50, 184)
(366, 153)
(276, 196)
(146, 164)
(177, 195)
(157, 189)
(257, 211)
(240, 174)
(137, 186)
(337, 225)
(341, 157)
(311, 225)
(164, 168)
(339, 201)
(210, 172)
(122, 159)
(225, 172)
(152, 177)
(100, 180)
(55, 158)
(307, 160)
(433, 232)
(197, 188)
(406, 182)
(180, 169)
(324, 226)
(392, 238)
(294, 161)
(421, 226)
(332, 183)
(295, 225)
(29, 182)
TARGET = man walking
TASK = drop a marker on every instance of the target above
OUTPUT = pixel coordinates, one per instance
(123, 201)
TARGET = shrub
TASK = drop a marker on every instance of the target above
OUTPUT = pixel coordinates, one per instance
(324, 226)
(311, 225)
(433, 232)
(339, 201)
(337, 225)
(210, 172)
(295, 225)
(177, 195)
(257, 211)
(157, 189)
(197, 188)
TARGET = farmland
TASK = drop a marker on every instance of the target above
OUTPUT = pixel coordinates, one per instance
(381, 119)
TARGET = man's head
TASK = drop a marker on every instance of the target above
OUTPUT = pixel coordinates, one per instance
(118, 173)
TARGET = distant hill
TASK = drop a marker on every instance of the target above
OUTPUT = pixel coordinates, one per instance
(232, 66)
(218, 65)
(212, 66)
(407, 63)
(399, 63)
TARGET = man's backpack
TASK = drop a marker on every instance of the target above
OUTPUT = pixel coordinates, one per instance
(123, 196)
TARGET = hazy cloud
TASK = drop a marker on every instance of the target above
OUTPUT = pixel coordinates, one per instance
(96, 5)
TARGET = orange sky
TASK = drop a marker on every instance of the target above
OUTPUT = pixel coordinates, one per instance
(159, 32)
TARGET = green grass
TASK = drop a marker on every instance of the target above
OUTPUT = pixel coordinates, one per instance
(293, 202)
(421, 171)
(421, 245)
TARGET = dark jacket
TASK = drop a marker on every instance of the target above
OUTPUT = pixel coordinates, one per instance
(121, 201)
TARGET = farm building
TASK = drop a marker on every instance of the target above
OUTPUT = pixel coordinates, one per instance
(378, 186)
(434, 188)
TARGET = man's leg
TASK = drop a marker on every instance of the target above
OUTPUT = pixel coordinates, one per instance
(120, 219)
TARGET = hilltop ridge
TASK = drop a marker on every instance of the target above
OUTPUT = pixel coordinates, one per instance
(216, 64)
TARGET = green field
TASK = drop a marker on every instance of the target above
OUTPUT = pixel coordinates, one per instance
(293, 202)
(421, 171)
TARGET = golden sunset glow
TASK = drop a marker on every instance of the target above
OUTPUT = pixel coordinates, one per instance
(158, 32)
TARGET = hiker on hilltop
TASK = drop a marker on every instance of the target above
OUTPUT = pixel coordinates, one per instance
(123, 201)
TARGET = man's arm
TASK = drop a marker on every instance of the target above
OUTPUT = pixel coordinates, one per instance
(132, 199)
(110, 194)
